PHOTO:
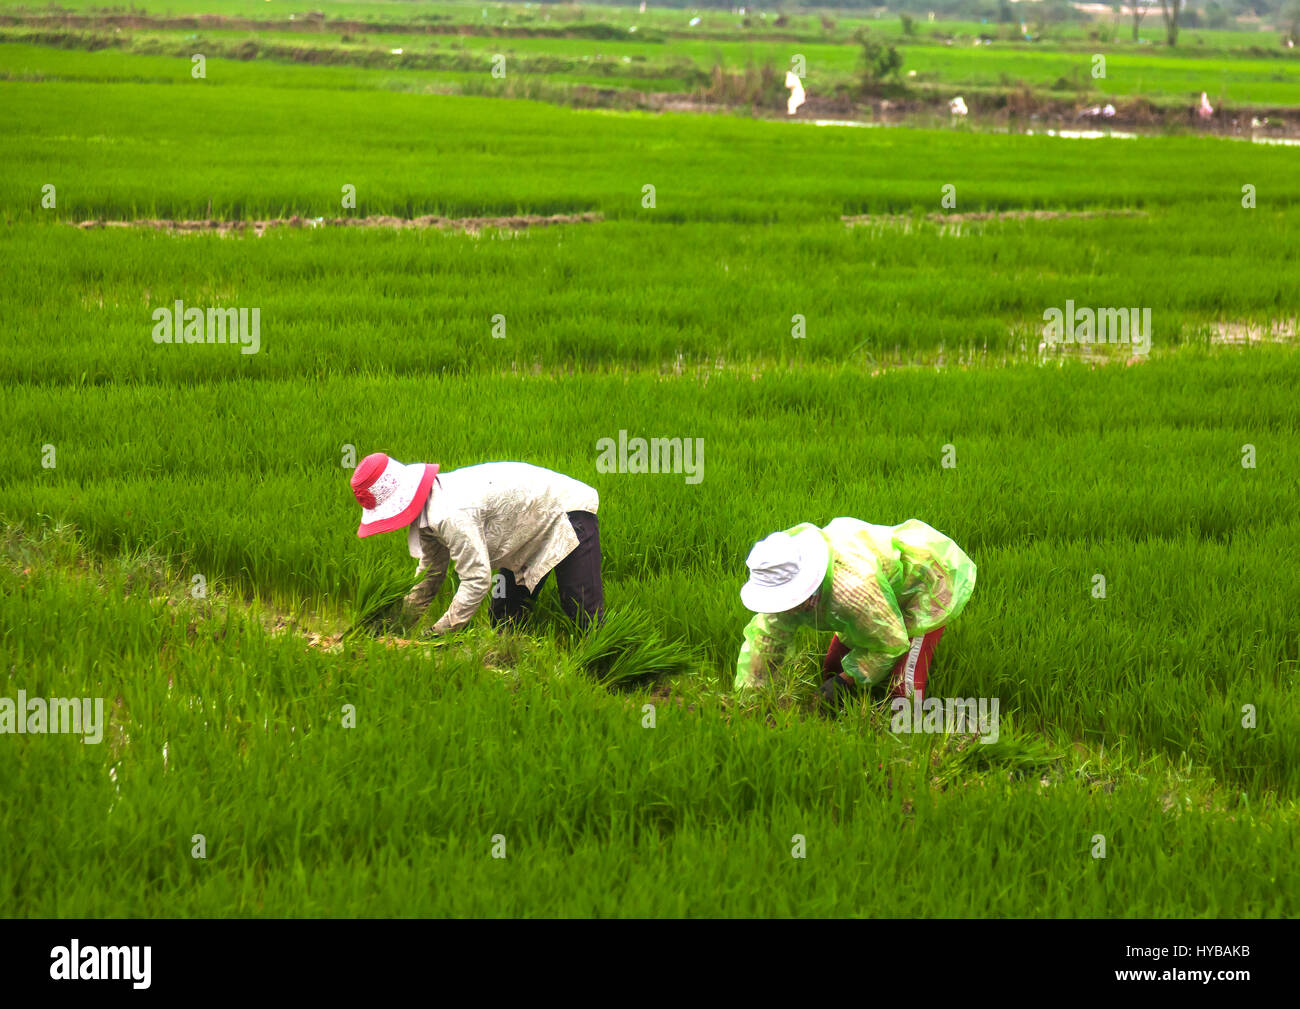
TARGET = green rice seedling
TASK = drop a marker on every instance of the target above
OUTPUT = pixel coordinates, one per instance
(378, 603)
(629, 650)
(958, 758)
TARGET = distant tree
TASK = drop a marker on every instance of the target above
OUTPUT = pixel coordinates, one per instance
(1055, 11)
(1290, 16)
(1139, 12)
(909, 26)
(1216, 15)
(878, 60)
(1170, 10)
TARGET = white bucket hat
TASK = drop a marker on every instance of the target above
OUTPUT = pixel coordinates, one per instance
(784, 570)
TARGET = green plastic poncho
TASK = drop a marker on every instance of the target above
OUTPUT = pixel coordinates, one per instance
(884, 586)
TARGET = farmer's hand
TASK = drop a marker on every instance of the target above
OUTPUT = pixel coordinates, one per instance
(411, 610)
(836, 689)
(834, 662)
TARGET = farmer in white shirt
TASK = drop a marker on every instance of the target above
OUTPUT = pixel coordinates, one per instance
(521, 520)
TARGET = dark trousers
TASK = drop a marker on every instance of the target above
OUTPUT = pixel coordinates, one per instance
(582, 594)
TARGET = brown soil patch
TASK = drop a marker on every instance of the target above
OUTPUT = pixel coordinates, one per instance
(335, 642)
(664, 695)
(472, 225)
(987, 215)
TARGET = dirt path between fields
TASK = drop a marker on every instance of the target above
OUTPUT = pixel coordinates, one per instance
(987, 215)
(259, 228)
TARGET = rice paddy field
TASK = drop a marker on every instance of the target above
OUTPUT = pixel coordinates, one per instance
(586, 54)
(850, 322)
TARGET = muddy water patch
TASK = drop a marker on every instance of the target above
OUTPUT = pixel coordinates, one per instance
(1243, 332)
(1083, 134)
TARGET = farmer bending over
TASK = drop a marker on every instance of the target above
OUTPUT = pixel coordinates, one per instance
(886, 591)
(522, 520)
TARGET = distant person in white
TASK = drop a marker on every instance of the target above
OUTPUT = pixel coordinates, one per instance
(796, 92)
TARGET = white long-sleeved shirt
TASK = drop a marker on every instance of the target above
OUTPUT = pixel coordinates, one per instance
(509, 515)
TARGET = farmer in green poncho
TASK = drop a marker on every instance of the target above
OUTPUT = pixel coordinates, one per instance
(886, 591)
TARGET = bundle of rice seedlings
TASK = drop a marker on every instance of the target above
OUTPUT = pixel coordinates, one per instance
(628, 649)
(378, 602)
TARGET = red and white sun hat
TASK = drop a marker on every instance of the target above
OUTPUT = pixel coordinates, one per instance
(785, 569)
(390, 494)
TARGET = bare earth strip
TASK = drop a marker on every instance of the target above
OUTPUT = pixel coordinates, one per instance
(258, 228)
(987, 215)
